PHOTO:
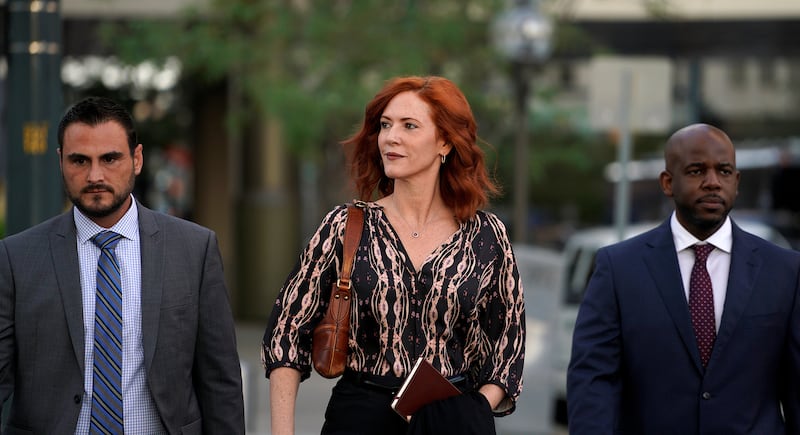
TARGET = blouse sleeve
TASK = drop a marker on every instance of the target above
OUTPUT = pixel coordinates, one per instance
(505, 322)
(302, 300)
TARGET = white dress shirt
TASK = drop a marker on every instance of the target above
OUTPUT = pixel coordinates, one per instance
(140, 415)
(718, 263)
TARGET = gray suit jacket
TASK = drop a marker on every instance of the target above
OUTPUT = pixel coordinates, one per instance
(188, 332)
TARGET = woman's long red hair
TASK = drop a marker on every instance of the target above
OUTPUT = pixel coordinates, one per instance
(465, 184)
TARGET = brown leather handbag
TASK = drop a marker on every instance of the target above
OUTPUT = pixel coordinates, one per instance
(331, 336)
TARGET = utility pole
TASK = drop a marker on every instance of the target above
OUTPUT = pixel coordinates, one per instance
(33, 109)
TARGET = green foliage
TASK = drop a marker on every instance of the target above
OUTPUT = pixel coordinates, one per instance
(313, 65)
(566, 161)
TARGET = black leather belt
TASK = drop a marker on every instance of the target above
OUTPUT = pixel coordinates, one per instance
(391, 384)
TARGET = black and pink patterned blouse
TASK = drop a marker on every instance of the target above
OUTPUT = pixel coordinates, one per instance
(463, 310)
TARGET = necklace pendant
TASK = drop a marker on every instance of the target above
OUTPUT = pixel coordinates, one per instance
(415, 235)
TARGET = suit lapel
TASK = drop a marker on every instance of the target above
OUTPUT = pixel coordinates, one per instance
(662, 263)
(745, 265)
(64, 251)
(153, 252)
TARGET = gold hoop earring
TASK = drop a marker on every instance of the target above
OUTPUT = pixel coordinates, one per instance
(444, 158)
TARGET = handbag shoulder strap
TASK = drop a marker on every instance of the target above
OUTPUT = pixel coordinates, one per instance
(352, 237)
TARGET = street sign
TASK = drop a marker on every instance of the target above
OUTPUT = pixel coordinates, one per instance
(649, 105)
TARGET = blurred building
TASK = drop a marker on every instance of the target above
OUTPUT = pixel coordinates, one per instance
(72, 9)
(734, 63)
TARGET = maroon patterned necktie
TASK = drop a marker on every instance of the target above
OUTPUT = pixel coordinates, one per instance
(701, 303)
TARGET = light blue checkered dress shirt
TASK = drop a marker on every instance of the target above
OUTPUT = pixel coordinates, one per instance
(139, 409)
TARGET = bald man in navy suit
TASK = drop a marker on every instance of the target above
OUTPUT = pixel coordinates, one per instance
(640, 364)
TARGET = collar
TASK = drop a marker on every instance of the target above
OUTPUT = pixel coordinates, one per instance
(127, 226)
(722, 239)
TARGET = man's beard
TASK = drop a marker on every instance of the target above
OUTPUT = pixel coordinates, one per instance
(118, 199)
(705, 223)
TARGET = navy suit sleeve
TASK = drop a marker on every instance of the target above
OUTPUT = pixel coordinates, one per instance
(593, 376)
(791, 404)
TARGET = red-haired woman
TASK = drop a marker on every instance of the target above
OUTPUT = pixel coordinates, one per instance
(435, 276)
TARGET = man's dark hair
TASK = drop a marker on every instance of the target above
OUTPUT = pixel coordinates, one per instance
(94, 111)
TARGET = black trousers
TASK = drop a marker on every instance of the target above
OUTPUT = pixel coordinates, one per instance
(466, 414)
(356, 408)
(359, 407)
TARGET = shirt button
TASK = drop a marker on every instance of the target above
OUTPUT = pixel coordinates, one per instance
(706, 395)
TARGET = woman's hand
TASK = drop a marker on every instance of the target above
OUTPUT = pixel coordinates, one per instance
(493, 394)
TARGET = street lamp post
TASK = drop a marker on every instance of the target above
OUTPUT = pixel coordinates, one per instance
(522, 35)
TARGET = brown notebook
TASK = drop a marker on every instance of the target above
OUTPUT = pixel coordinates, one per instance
(422, 386)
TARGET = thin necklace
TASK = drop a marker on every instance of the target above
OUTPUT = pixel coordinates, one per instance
(414, 233)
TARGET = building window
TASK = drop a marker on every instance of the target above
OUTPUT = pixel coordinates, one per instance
(737, 73)
(767, 73)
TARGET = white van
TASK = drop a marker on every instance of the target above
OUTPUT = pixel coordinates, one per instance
(579, 254)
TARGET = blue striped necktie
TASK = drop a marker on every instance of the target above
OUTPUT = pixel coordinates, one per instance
(107, 375)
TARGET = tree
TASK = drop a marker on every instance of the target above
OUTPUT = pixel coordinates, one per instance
(313, 66)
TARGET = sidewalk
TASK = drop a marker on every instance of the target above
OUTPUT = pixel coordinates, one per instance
(254, 384)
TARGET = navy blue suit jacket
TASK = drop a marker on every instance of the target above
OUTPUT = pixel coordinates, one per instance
(635, 367)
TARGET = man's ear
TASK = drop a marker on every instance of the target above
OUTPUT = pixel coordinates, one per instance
(138, 159)
(665, 180)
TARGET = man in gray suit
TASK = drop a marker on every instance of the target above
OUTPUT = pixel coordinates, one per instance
(174, 367)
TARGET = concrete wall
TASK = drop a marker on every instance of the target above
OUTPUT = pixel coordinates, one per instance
(125, 8)
(688, 9)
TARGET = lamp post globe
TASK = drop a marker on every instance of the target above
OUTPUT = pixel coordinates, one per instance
(522, 35)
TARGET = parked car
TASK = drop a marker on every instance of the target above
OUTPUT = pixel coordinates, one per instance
(579, 255)
(540, 271)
